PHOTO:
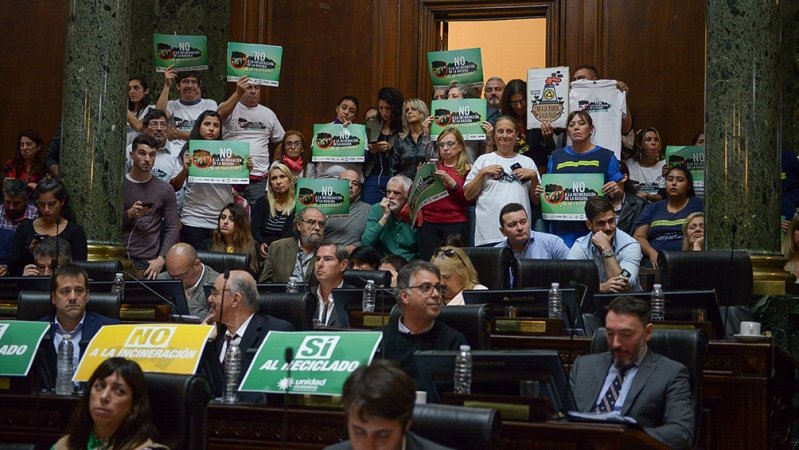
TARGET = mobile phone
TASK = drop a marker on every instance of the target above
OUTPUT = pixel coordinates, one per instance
(625, 273)
(516, 166)
(147, 205)
(40, 237)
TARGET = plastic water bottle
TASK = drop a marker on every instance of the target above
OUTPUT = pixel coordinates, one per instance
(232, 372)
(657, 304)
(63, 381)
(555, 305)
(118, 287)
(292, 287)
(369, 293)
(463, 371)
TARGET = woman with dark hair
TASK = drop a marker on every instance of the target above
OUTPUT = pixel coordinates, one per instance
(364, 257)
(537, 144)
(138, 105)
(273, 214)
(647, 165)
(232, 235)
(55, 219)
(295, 154)
(202, 201)
(114, 411)
(383, 131)
(27, 164)
(582, 157)
(659, 225)
(627, 205)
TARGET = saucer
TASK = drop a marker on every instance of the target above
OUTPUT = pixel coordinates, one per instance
(752, 338)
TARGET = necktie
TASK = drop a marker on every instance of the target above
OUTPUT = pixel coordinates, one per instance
(612, 394)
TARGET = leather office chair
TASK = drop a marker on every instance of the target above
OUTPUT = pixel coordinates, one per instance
(541, 273)
(687, 347)
(359, 278)
(475, 322)
(224, 261)
(295, 308)
(179, 405)
(103, 270)
(33, 305)
(492, 264)
(457, 427)
(729, 273)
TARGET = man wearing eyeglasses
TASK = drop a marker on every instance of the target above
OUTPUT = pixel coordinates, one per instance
(183, 264)
(419, 296)
(245, 119)
(348, 229)
(49, 254)
(387, 228)
(185, 110)
(166, 167)
(295, 258)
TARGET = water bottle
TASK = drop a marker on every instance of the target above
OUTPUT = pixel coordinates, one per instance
(657, 304)
(369, 293)
(292, 287)
(118, 287)
(555, 305)
(463, 371)
(232, 372)
(63, 381)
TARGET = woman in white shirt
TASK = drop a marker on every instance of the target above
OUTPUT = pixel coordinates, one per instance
(646, 165)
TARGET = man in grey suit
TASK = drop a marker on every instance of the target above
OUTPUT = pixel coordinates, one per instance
(183, 264)
(634, 381)
(295, 257)
(378, 401)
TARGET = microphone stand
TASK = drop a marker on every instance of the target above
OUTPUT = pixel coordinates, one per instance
(154, 292)
(289, 356)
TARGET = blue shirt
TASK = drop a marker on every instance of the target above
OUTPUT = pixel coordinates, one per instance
(540, 246)
(625, 247)
(665, 228)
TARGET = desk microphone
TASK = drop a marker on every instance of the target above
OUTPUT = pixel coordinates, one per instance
(573, 284)
(159, 296)
(54, 261)
(289, 356)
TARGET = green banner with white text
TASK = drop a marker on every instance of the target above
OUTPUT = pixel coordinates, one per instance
(333, 142)
(258, 61)
(425, 190)
(565, 195)
(182, 52)
(18, 343)
(456, 66)
(332, 197)
(219, 162)
(321, 361)
(465, 114)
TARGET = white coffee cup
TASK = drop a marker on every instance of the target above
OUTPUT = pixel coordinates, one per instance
(750, 328)
(421, 397)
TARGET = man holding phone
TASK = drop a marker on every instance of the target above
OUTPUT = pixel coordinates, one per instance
(149, 204)
(616, 254)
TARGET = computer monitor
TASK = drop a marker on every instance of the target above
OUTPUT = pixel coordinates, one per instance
(347, 300)
(528, 303)
(498, 373)
(137, 294)
(680, 306)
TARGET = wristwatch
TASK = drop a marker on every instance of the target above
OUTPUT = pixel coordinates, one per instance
(608, 254)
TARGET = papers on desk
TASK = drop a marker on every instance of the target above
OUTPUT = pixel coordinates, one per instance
(608, 417)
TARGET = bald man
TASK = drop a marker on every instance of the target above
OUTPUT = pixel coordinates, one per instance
(183, 264)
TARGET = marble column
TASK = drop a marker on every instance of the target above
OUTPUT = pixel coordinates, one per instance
(93, 117)
(742, 118)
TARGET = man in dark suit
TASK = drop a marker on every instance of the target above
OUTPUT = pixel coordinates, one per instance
(378, 400)
(69, 293)
(634, 381)
(293, 256)
(234, 307)
(331, 262)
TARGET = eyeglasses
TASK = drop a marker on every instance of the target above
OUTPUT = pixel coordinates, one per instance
(218, 292)
(449, 253)
(158, 126)
(312, 223)
(427, 288)
(293, 144)
(448, 144)
(182, 275)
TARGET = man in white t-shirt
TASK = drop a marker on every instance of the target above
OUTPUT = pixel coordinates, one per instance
(244, 119)
(185, 110)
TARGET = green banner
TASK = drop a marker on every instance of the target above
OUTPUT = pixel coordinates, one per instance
(332, 197)
(182, 52)
(465, 114)
(692, 157)
(333, 142)
(219, 162)
(461, 66)
(258, 61)
(18, 343)
(565, 194)
(425, 190)
(321, 364)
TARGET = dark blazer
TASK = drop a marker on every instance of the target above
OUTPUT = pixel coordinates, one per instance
(259, 327)
(91, 325)
(260, 213)
(279, 263)
(413, 442)
(631, 206)
(659, 397)
(334, 321)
